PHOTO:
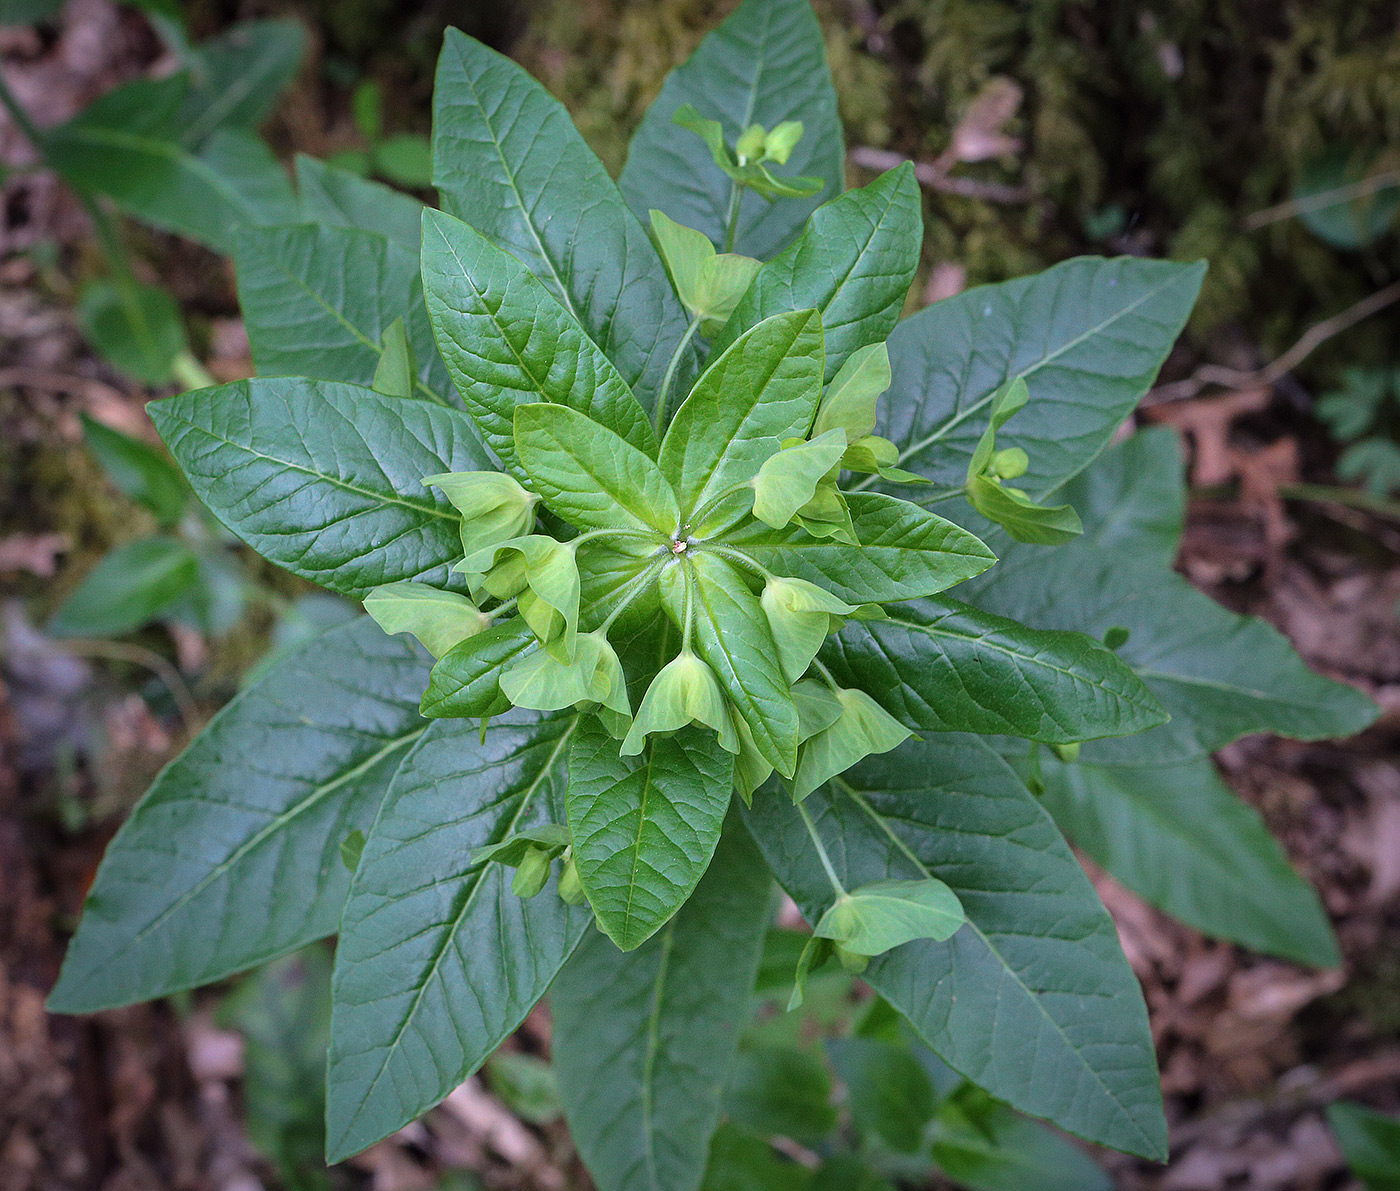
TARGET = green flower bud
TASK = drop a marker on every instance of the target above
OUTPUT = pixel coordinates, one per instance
(494, 507)
(852, 961)
(826, 515)
(799, 617)
(532, 874)
(550, 573)
(439, 619)
(779, 144)
(685, 692)
(750, 144)
(570, 887)
(850, 398)
(1010, 463)
(542, 682)
(863, 729)
(788, 480)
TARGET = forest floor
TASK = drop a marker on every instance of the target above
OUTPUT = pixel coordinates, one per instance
(148, 1098)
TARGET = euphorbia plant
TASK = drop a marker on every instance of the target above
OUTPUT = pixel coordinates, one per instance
(659, 516)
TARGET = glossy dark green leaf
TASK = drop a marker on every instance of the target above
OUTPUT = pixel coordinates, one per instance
(590, 476)
(1176, 836)
(732, 636)
(944, 666)
(232, 857)
(781, 1090)
(508, 160)
(1038, 968)
(764, 64)
(136, 328)
(761, 391)
(853, 263)
(338, 198)
(133, 584)
(1370, 1142)
(1220, 675)
(1088, 337)
(466, 681)
(891, 1098)
(237, 77)
(507, 342)
(644, 828)
(324, 478)
(438, 960)
(317, 300)
(139, 470)
(906, 552)
(644, 1040)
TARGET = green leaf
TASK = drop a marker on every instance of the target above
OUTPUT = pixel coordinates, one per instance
(944, 666)
(1370, 1142)
(644, 828)
(137, 329)
(766, 63)
(1087, 336)
(862, 729)
(884, 914)
(466, 681)
(317, 301)
(906, 552)
(133, 584)
(1037, 970)
(848, 1173)
(709, 284)
(590, 476)
(508, 160)
(26, 12)
(850, 398)
(644, 1041)
(1180, 839)
(231, 858)
(853, 263)
(325, 478)
(800, 615)
(781, 1090)
(395, 374)
(1220, 676)
(732, 636)
(740, 1161)
(338, 198)
(438, 961)
(406, 159)
(507, 342)
(890, 1095)
(1349, 221)
(138, 470)
(760, 392)
(525, 1085)
(789, 479)
(439, 619)
(237, 77)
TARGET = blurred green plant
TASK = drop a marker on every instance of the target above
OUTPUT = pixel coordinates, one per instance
(1364, 416)
(1370, 1143)
(405, 158)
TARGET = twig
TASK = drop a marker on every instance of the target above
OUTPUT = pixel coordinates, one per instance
(1350, 497)
(1323, 198)
(1311, 339)
(148, 659)
(58, 382)
(934, 177)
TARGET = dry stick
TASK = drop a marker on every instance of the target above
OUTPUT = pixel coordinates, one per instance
(935, 177)
(148, 659)
(1322, 199)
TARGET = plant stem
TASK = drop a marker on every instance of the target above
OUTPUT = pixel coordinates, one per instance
(827, 675)
(634, 589)
(190, 372)
(731, 219)
(1350, 497)
(821, 851)
(663, 398)
(689, 609)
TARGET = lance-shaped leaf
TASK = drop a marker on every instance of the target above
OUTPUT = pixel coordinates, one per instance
(759, 393)
(507, 342)
(508, 160)
(438, 960)
(1176, 836)
(141, 471)
(905, 552)
(1037, 970)
(1088, 337)
(644, 1040)
(326, 479)
(732, 635)
(1370, 1142)
(853, 263)
(944, 666)
(317, 301)
(133, 584)
(590, 476)
(337, 198)
(765, 64)
(232, 857)
(238, 76)
(466, 682)
(644, 828)
(1218, 674)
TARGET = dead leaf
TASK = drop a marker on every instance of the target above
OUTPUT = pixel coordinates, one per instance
(36, 553)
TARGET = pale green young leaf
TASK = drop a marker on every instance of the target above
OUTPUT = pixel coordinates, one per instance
(788, 480)
(883, 915)
(307, 472)
(684, 692)
(431, 976)
(644, 828)
(507, 342)
(231, 857)
(466, 681)
(849, 401)
(863, 729)
(396, 373)
(548, 572)
(551, 838)
(799, 615)
(439, 619)
(644, 1041)
(759, 393)
(764, 64)
(590, 476)
(508, 160)
(494, 506)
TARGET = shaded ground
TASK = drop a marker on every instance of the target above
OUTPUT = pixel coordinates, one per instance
(1251, 1049)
